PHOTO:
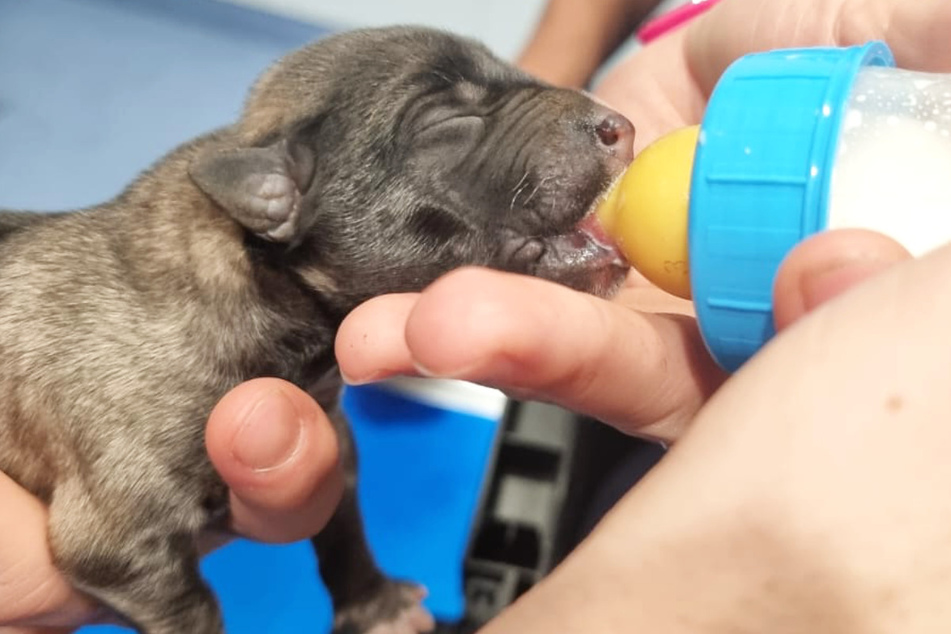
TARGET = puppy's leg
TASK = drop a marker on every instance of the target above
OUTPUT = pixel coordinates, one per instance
(365, 600)
(136, 558)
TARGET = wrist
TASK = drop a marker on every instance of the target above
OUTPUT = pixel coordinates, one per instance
(656, 565)
(702, 561)
(732, 570)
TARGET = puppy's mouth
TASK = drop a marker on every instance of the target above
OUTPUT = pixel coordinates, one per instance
(583, 257)
(586, 246)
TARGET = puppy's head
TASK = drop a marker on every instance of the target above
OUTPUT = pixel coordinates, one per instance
(377, 160)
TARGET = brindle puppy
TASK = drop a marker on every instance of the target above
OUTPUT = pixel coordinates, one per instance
(367, 163)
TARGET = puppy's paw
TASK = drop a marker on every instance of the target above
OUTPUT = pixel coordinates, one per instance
(396, 609)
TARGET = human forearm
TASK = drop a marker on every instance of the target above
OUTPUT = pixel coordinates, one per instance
(573, 37)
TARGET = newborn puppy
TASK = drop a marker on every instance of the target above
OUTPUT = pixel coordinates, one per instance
(371, 162)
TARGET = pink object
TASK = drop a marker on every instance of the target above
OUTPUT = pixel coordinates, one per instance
(673, 19)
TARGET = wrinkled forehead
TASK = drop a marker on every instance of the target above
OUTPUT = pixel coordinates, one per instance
(373, 67)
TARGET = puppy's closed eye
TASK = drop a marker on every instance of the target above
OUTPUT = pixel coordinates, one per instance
(448, 140)
(446, 126)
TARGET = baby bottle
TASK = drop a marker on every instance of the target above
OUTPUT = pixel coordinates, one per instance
(792, 142)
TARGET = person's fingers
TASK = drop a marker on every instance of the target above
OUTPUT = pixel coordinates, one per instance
(277, 451)
(826, 265)
(735, 28)
(666, 84)
(371, 341)
(915, 31)
(32, 592)
(645, 373)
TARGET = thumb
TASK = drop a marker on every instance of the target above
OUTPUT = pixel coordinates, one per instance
(277, 451)
(826, 265)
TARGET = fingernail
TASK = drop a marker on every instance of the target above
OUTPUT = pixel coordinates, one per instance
(425, 372)
(355, 381)
(372, 377)
(461, 373)
(832, 278)
(495, 372)
(270, 434)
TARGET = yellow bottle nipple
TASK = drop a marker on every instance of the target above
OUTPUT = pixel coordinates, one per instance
(646, 211)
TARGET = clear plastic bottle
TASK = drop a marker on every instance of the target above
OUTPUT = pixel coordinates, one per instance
(892, 168)
(792, 142)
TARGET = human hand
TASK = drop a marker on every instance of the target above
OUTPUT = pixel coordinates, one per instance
(637, 361)
(666, 84)
(811, 493)
(632, 362)
(268, 440)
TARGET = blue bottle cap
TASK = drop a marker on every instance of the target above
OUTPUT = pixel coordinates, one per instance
(760, 183)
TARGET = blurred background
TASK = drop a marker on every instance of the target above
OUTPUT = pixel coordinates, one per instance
(472, 495)
(504, 25)
(116, 83)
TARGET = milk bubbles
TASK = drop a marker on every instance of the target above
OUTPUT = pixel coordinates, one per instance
(892, 169)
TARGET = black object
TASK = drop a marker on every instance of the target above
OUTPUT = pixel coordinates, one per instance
(551, 477)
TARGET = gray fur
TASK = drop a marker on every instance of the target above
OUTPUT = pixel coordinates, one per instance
(366, 163)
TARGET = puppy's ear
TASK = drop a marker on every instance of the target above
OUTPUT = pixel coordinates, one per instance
(260, 187)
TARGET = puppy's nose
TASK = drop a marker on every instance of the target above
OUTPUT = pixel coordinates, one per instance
(616, 133)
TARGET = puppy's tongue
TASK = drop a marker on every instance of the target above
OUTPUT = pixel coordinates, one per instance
(592, 226)
(592, 229)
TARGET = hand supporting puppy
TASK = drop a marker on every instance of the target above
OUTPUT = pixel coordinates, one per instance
(268, 440)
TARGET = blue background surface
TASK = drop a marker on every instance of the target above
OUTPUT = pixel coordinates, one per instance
(92, 92)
